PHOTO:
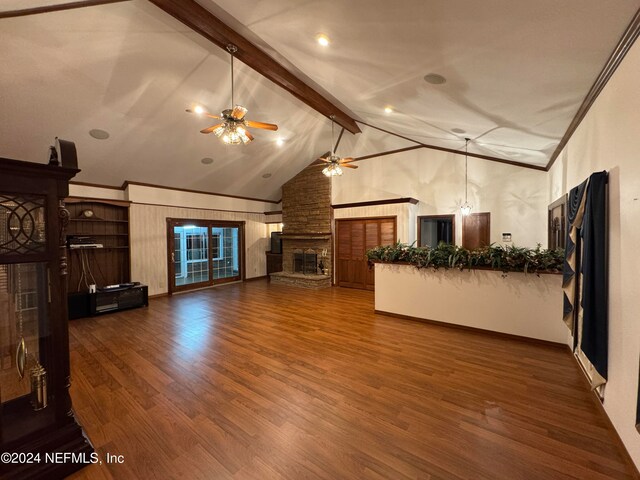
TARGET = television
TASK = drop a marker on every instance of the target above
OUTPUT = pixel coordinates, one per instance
(276, 242)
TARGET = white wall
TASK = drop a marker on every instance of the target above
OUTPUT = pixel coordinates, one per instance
(609, 139)
(149, 209)
(148, 227)
(520, 304)
(515, 196)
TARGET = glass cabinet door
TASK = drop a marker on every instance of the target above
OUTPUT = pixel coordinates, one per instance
(23, 335)
(24, 323)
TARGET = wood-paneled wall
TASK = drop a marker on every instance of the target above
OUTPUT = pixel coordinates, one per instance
(148, 227)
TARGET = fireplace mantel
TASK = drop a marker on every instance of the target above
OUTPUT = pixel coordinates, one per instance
(306, 236)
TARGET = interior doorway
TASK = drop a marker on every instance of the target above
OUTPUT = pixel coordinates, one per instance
(434, 229)
(203, 253)
(476, 230)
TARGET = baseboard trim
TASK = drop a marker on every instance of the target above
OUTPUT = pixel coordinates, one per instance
(253, 279)
(612, 429)
(477, 330)
(158, 295)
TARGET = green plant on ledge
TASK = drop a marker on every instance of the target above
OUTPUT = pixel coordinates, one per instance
(496, 257)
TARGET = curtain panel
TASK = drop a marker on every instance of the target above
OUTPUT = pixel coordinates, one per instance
(585, 276)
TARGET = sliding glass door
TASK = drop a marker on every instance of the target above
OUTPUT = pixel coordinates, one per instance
(204, 253)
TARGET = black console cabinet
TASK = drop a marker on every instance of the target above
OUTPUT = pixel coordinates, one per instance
(113, 300)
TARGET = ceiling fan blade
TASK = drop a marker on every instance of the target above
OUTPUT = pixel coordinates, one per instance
(210, 129)
(249, 136)
(348, 166)
(265, 126)
(238, 112)
(347, 160)
(206, 114)
(322, 159)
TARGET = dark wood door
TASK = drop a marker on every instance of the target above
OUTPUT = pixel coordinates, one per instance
(476, 230)
(354, 238)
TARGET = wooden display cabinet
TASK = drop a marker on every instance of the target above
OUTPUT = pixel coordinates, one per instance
(36, 415)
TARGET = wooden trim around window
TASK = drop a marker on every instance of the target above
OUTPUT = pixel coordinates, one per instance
(176, 222)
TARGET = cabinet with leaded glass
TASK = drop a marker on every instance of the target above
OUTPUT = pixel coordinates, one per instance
(36, 416)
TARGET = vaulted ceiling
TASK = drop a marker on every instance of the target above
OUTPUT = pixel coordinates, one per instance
(516, 74)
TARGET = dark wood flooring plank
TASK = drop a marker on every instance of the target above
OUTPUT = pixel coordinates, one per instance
(259, 381)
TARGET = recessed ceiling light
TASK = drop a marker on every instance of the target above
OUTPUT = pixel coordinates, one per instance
(322, 39)
(458, 130)
(388, 110)
(280, 142)
(207, 160)
(435, 79)
(198, 109)
(266, 175)
(99, 134)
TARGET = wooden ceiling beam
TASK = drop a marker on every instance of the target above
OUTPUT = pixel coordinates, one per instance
(205, 23)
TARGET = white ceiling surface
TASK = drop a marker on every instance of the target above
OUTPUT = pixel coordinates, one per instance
(130, 69)
(11, 5)
(516, 75)
(516, 71)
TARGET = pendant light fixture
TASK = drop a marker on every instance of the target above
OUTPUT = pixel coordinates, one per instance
(333, 168)
(465, 208)
(335, 163)
(232, 130)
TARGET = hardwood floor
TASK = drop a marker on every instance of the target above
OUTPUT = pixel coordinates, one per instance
(260, 381)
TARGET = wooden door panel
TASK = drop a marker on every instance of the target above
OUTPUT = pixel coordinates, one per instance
(357, 240)
(387, 232)
(476, 230)
(372, 231)
(354, 238)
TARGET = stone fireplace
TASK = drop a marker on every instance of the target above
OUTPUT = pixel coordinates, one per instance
(306, 236)
(305, 261)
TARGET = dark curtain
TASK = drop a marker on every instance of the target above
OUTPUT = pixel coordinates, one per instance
(585, 270)
(572, 253)
(445, 233)
(595, 325)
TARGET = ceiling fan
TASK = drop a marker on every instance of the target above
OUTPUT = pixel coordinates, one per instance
(335, 162)
(233, 128)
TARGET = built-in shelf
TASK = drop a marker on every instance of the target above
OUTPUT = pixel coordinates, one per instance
(105, 234)
(97, 220)
(109, 227)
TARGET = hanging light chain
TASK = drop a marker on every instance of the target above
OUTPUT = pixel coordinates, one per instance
(466, 159)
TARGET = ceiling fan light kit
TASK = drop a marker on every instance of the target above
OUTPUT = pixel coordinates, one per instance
(335, 162)
(233, 128)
